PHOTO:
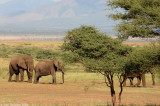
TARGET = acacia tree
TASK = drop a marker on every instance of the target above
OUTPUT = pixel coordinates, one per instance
(110, 66)
(140, 18)
(98, 53)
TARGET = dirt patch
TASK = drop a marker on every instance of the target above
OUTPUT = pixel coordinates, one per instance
(70, 94)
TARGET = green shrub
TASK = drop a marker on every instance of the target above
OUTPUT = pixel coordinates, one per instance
(35, 52)
(4, 51)
(70, 57)
(44, 54)
(22, 50)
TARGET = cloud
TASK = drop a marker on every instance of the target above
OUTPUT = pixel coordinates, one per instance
(55, 12)
(50, 11)
(4, 1)
(102, 1)
(68, 14)
(56, 0)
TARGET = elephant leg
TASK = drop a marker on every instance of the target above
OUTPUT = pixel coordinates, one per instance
(138, 81)
(143, 80)
(29, 77)
(131, 81)
(22, 75)
(17, 77)
(11, 72)
(36, 79)
(10, 77)
(54, 78)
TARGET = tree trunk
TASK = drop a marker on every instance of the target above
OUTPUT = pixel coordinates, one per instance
(143, 80)
(131, 81)
(63, 77)
(125, 79)
(120, 93)
(113, 95)
(153, 78)
(138, 80)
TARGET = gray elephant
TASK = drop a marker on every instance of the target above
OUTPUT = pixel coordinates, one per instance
(20, 63)
(44, 68)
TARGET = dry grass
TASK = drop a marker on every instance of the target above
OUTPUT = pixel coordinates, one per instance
(54, 45)
(78, 89)
(30, 38)
(140, 44)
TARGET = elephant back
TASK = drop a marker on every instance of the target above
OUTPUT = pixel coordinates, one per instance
(22, 62)
(15, 61)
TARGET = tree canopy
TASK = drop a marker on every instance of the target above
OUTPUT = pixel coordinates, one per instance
(142, 60)
(89, 42)
(140, 18)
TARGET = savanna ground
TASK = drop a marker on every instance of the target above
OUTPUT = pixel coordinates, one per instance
(80, 87)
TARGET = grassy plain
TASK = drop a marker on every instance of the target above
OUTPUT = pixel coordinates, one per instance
(80, 88)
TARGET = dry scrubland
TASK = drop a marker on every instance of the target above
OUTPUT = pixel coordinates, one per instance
(80, 88)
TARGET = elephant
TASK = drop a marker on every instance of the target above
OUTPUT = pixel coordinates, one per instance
(44, 68)
(20, 63)
(131, 77)
(139, 77)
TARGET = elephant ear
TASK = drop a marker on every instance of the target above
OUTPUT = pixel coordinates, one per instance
(56, 63)
(22, 64)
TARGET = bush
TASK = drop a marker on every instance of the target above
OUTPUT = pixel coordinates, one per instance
(35, 52)
(44, 54)
(4, 51)
(26, 51)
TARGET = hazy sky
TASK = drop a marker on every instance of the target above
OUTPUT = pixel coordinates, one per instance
(54, 14)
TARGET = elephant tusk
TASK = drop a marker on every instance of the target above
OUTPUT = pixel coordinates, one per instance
(28, 70)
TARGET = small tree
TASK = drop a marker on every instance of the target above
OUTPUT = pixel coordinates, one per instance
(109, 66)
(99, 53)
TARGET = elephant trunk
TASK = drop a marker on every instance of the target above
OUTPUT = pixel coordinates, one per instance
(29, 71)
(63, 72)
